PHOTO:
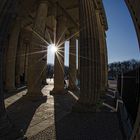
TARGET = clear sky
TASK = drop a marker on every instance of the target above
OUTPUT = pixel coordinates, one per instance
(122, 41)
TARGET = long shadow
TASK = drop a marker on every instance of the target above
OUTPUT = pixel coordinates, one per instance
(88, 126)
(62, 107)
(83, 126)
(68, 125)
(22, 111)
(9, 94)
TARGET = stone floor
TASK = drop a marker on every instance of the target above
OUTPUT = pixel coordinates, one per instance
(52, 119)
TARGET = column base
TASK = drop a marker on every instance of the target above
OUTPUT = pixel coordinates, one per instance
(83, 108)
(58, 92)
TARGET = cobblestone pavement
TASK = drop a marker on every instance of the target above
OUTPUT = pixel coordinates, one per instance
(52, 119)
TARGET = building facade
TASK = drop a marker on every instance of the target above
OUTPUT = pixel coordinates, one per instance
(28, 27)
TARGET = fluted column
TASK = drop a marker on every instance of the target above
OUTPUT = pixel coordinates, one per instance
(11, 57)
(59, 57)
(103, 53)
(27, 38)
(136, 131)
(78, 74)
(90, 58)
(21, 62)
(106, 62)
(5, 123)
(7, 129)
(44, 75)
(72, 63)
(35, 61)
(26, 61)
(18, 61)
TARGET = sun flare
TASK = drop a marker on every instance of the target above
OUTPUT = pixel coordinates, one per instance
(54, 49)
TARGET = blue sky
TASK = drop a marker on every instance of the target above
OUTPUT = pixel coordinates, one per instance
(122, 41)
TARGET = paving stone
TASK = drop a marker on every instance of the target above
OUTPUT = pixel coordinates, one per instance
(52, 119)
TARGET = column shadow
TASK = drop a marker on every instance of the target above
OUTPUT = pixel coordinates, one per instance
(22, 111)
(71, 125)
(9, 94)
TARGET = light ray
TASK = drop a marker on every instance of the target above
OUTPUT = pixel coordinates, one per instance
(68, 38)
(22, 55)
(51, 42)
(61, 37)
(37, 61)
(60, 54)
(37, 44)
(30, 29)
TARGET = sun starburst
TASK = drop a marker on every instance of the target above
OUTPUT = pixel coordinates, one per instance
(53, 48)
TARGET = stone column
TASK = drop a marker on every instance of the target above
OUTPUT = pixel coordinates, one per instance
(90, 58)
(7, 129)
(20, 62)
(103, 53)
(72, 63)
(11, 58)
(6, 44)
(59, 57)
(26, 61)
(36, 49)
(44, 75)
(106, 62)
(27, 38)
(78, 74)
(5, 123)
(136, 131)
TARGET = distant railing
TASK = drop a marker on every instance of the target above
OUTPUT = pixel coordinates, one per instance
(128, 88)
